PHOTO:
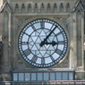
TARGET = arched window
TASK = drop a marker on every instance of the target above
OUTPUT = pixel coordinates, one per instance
(29, 8)
(48, 8)
(35, 8)
(55, 8)
(23, 8)
(61, 7)
(16, 8)
(6, 18)
(67, 7)
(42, 9)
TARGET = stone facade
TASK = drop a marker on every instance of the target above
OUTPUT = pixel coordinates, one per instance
(15, 14)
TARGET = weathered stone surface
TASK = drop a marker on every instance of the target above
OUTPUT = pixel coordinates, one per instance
(15, 14)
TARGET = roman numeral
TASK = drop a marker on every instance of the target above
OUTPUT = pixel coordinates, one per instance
(61, 42)
(24, 43)
(26, 33)
(52, 58)
(42, 24)
(33, 27)
(58, 33)
(34, 59)
(27, 52)
(58, 51)
(42, 61)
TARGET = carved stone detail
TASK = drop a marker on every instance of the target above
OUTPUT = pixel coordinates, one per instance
(20, 20)
(64, 64)
(20, 63)
(62, 19)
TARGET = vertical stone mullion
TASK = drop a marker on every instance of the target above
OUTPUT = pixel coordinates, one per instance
(9, 38)
(75, 40)
(13, 61)
(82, 34)
(5, 41)
(73, 45)
(1, 43)
(84, 39)
(79, 39)
(26, 7)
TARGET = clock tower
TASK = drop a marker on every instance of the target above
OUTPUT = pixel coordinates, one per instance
(42, 41)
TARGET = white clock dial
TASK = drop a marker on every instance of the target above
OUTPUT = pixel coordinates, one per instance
(43, 43)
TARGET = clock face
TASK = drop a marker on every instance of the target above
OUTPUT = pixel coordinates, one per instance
(43, 43)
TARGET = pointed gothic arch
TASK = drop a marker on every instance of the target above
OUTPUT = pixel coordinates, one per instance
(23, 8)
(55, 7)
(16, 8)
(79, 36)
(48, 7)
(29, 8)
(67, 7)
(36, 8)
(61, 7)
(42, 8)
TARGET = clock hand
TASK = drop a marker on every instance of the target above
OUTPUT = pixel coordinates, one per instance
(43, 42)
(50, 33)
(53, 43)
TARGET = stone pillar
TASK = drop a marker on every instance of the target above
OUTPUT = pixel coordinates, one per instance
(79, 38)
(26, 7)
(6, 57)
(5, 39)
(9, 40)
(1, 45)
(82, 40)
(73, 44)
(1, 53)
(82, 32)
(13, 40)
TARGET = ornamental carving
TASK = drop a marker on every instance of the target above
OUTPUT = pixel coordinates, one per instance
(20, 20)
(62, 19)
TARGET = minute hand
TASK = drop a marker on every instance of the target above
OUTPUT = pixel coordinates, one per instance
(43, 42)
(50, 34)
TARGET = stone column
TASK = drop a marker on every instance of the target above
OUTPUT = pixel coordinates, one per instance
(1, 45)
(82, 36)
(79, 38)
(5, 41)
(73, 44)
(9, 40)
(13, 41)
(6, 58)
(84, 40)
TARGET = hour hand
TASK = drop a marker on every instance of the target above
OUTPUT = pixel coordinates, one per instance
(45, 40)
(53, 43)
